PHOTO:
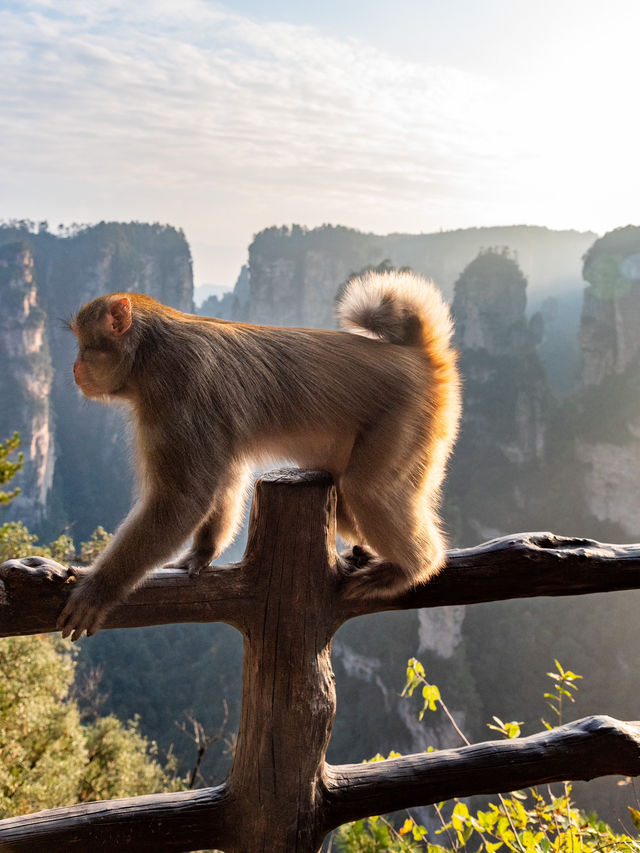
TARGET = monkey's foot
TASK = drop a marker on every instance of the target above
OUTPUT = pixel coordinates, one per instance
(192, 561)
(86, 609)
(378, 579)
(356, 558)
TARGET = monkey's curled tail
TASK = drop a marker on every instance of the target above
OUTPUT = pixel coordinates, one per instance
(404, 309)
(401, 308)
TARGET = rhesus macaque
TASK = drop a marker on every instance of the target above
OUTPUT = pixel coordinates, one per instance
(378, 409)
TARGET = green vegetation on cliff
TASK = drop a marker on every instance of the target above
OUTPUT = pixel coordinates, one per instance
(612, 264)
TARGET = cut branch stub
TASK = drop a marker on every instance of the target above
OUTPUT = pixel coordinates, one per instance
(33, 591)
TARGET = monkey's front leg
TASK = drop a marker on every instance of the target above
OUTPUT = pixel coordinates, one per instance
(219, 528)
(149, 534)
(203, 551)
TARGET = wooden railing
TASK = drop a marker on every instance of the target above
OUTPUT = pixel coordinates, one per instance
(287, 598)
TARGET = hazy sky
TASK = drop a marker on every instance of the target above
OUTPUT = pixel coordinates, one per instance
(224, 118)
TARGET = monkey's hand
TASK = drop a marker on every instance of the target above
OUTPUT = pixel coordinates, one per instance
(87, 607)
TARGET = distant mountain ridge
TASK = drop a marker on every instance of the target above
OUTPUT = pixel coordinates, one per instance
(293, 273)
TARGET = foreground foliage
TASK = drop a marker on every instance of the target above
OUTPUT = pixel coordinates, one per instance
(533, 821)
(56, 750)
(49, 755)
(9, 468)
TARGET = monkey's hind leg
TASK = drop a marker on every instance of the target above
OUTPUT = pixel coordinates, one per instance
(409, 547)
(392, 498)
(219, 527)
(355, 557)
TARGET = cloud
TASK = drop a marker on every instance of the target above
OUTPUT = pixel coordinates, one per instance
(197, 115)
(198, 94)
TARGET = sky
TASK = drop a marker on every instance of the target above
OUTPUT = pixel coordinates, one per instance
(225, 118)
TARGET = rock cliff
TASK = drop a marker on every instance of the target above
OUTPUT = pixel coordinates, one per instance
(25, 382)
(87, 475)
(489, 306)
(608, 435)
(505, 395)
(229, 306)
(294, 273)
(610, 320)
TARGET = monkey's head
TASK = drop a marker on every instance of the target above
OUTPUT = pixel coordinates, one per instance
(103, 329)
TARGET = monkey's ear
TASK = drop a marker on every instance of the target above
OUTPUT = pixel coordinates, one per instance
(118, 317)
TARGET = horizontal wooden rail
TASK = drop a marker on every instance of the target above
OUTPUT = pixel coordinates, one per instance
(33, 590)
(584, 749)
(594, 746)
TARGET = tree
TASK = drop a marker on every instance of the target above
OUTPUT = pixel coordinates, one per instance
(8, 469)
(49, 755)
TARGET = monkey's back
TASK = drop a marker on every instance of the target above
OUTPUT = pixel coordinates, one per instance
(313, 376)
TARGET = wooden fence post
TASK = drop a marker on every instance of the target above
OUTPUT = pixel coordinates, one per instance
(288, 689)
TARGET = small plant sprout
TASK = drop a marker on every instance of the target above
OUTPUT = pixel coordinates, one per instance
(509, 730)
(564, 684)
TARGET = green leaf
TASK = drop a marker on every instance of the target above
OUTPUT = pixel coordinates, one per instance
(460, 816)
(635, 817)
(419, 832)
(431, 695)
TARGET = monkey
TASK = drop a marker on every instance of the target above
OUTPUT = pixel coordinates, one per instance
(376, 404)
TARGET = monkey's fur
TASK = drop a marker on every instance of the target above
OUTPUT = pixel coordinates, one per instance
(379, 410)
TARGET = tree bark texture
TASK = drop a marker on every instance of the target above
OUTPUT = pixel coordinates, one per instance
(287, 598)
